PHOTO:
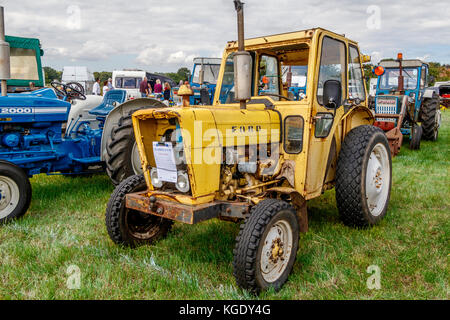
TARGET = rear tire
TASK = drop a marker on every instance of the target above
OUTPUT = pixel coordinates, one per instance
(431, 118)
(363, 177)
(130, 227)
(266, 246)
(416, 137)
(15, 192)
(122, 156)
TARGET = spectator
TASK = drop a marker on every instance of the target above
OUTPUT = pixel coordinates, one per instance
(158, 87)
(143, 88)
(167, 91)
(110, 85)
(105, 87)
(96, 87)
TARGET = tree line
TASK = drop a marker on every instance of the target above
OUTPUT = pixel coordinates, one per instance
(52, 74)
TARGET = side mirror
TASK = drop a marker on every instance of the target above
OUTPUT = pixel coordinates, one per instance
(332, 94)
(431, 80)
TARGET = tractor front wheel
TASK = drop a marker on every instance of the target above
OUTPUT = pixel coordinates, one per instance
(266, 246)
(416, 137)
(363, 177)
(122, 155)
(15, 192)
(130, 227)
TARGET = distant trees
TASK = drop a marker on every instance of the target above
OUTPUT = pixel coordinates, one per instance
(181, 74)
(103, 76)
(52, 74)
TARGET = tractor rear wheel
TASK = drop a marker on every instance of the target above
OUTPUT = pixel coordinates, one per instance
(416, 136)
(15, 192)
(363, 177)
(122, 155)
(130, 227)
(431, 118)
(266, 246)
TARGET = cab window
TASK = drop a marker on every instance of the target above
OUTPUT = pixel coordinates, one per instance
(423, 78)
(332, 65)
(355, 76)
(269, 80)
(227, 90)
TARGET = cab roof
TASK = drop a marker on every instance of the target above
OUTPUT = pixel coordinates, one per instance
(288, 38)
(410, 63)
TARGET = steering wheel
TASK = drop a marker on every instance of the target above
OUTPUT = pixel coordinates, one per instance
(55, 85)
(276, 95)
(71, 90)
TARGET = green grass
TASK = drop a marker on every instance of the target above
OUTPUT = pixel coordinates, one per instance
(65, 226)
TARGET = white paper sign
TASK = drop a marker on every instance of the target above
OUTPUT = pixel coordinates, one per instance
(165, 162)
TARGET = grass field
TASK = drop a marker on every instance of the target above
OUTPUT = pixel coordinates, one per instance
(65, 227)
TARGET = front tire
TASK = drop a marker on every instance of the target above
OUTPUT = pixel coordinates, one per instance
(130, 227)
(416, 137)
(122, 156)
(363, 177)
(266, 246)
(15, 192)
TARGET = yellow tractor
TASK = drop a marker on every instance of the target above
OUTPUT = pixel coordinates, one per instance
(258, 156)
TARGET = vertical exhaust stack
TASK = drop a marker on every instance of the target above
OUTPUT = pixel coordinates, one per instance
(242, 62)
(5, 69)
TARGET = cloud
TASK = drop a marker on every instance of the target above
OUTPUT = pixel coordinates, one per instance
(162, 36)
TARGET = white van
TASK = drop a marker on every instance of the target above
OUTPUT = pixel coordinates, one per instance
(128, 80)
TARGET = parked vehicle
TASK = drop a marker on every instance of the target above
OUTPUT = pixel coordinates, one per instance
(130, 81)
(256, 156)
(444, 92)
(204, 80)
(404, 104)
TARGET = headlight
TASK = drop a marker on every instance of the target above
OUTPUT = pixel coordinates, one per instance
(155, 180)
(183, 182)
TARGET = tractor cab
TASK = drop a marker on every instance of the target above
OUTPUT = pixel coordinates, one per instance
(415, 79)
(204, 80)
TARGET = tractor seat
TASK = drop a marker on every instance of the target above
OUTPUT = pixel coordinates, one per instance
(110, 97)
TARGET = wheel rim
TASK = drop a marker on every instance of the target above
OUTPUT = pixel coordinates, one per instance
(136, 160)
(377, 179)
(9, 196)
(141, 225)
(276, 251)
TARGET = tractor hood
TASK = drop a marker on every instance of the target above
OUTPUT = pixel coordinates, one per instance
(40, 105)
(204, 132)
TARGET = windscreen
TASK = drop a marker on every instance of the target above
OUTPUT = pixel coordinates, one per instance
(128, 82)
(210, 75)
(390, 79)
(23, 64)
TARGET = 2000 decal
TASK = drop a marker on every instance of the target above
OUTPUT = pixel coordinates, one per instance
(16, 110)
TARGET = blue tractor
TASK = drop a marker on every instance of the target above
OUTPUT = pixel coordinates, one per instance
(204, 79)
(297, 81)
(53, 131)
(404, 104)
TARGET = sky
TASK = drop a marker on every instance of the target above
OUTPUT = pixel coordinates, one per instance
(162, 36)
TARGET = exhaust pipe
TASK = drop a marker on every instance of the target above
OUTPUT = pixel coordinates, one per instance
(5, 68)
(242, 62)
